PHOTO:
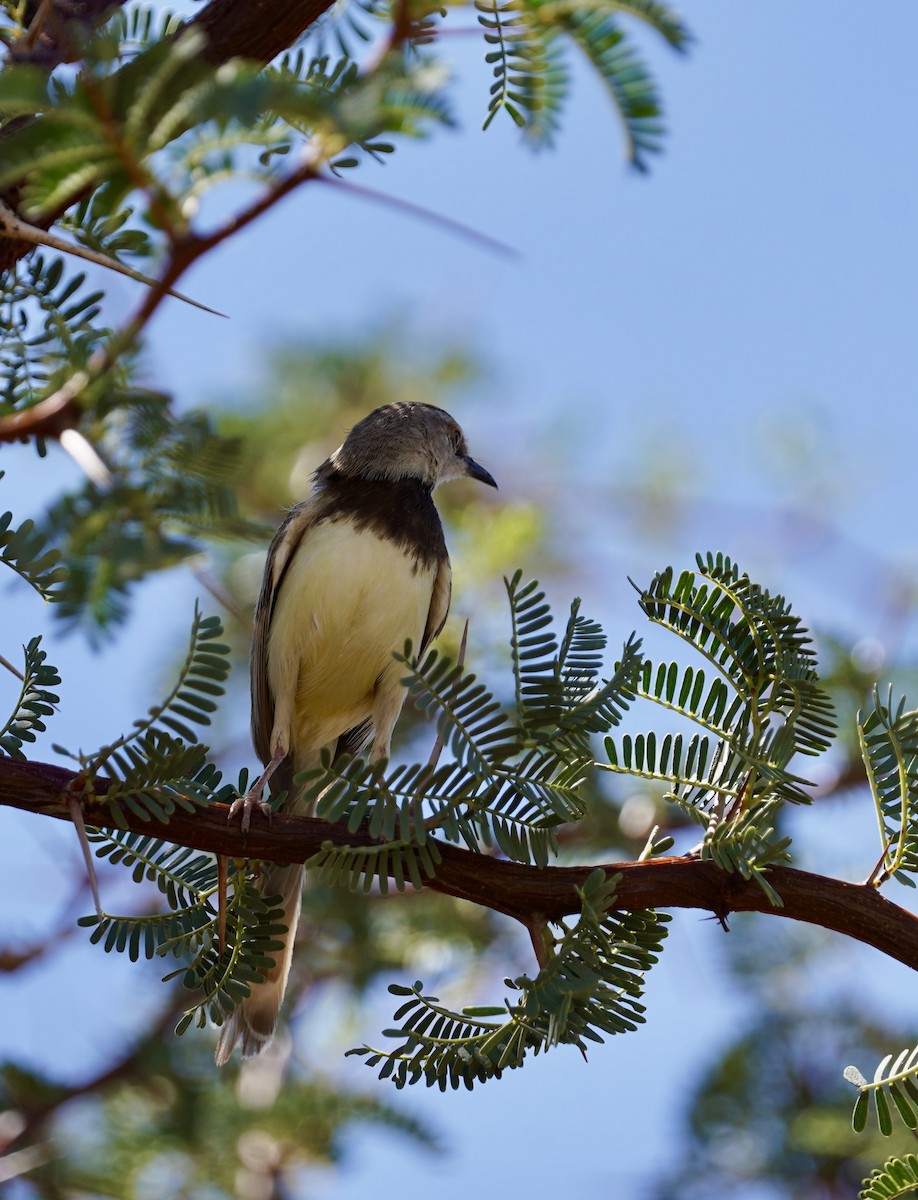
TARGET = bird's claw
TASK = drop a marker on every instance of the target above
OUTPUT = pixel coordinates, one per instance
(245, 804)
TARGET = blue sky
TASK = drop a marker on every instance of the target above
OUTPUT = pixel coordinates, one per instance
(751, 301)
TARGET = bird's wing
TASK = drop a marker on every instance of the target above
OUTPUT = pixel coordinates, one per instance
(295, 525)
(439, 604)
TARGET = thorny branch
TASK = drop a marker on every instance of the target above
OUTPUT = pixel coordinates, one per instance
(515, 889)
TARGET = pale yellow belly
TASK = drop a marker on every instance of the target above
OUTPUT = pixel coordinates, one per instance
(348, 601)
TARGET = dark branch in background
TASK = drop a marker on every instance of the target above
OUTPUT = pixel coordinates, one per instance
(519, 891)
(256, 30)
(57, 28)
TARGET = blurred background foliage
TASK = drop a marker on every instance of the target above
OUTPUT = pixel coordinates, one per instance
(770, 1116)
(200, 492)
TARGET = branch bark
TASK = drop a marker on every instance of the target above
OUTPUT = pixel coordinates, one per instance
(257, 30)
(515, 889)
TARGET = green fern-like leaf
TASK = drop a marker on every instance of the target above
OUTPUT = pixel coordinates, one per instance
(897, 1177)
(560, 694)
(663, 18)
(530, 79)
(762, 705)
(34, 704)
(515, 807)
(515, 775)
(149, 766)
(187, 928)
(889, 747)
(590, 987)
(50, 329)
(628, 82)
(103, 224)
(402, 863)
(761, 650)
(747, 847)
(24, 549)
(894, 1088)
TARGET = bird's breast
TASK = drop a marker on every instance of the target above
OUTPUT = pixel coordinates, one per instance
(349, 598)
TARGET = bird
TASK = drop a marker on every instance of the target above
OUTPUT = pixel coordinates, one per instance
(356, 570)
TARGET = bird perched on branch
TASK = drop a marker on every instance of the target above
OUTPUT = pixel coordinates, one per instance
(356, 570)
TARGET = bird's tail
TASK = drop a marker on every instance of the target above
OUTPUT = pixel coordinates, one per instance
(254, 1021)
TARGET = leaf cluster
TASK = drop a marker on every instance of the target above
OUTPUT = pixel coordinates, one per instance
(169, 123)
(171, 489)
(897, 1177)
(49, 329)
(894, 1088)
(514, 775)
(590, 986)
(25, 550)
(159, 765)
(528, 43)
(35, 701)
(888, 737)
(762, 706)
(187, 929)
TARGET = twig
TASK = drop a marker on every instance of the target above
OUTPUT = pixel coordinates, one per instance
(50, 417)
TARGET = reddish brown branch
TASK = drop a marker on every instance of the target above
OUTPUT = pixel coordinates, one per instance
(520, 891)
(47, 419)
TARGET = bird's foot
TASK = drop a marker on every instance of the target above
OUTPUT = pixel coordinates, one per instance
(245, 804)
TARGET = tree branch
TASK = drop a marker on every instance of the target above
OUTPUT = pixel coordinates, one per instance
(519, 891)
(47, 419)
(255, 30)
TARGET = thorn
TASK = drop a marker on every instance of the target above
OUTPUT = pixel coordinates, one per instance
(221, 595)
(14, 670)
(879, 875)
(76, 815)
(424, 214)
(540, 938)
(85, 457)
(14, 227)
(222, 900)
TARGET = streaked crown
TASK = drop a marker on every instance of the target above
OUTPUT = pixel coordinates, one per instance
(408, 441)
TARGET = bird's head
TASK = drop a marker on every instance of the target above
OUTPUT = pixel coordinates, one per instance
(408, 441)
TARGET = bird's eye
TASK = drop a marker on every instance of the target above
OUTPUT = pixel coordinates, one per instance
(457, 440)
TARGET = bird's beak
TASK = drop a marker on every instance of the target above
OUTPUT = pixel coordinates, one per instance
(476, 471)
